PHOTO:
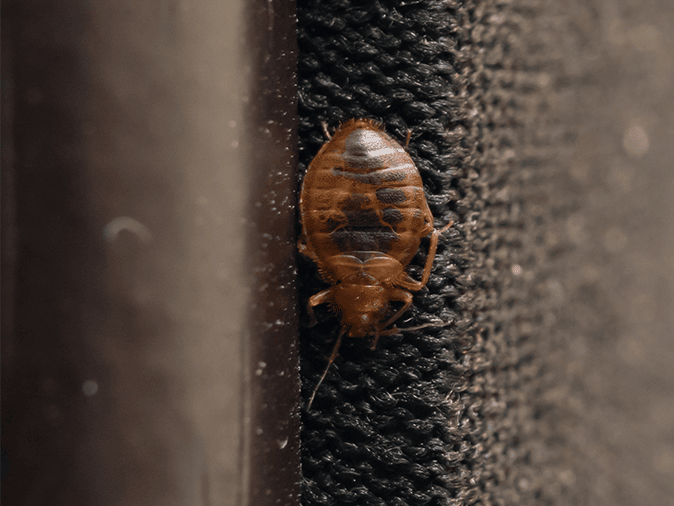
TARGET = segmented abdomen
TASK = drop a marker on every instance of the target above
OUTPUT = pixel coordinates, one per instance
(362, 193)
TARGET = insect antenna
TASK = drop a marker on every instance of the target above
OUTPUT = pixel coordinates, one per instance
(332, 358)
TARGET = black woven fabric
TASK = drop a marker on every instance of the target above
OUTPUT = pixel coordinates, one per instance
(379, 431)
(451, 415)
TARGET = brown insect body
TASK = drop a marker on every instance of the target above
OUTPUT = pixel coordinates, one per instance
(364, 214)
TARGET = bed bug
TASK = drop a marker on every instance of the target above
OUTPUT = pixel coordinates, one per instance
(364, 213)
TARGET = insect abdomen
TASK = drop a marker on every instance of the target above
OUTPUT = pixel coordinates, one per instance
(361, 222)
(363, 193)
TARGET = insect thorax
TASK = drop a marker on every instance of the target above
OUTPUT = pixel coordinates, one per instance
(362, 307)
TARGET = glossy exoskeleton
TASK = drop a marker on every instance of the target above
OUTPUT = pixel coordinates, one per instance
(364, 213)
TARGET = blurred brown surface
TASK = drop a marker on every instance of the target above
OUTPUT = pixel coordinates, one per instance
(616, 286)
(138, 355)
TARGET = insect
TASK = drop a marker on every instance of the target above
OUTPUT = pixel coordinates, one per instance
(364, 213)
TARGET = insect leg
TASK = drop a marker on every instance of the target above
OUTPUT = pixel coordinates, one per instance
(376, 338)
(410, 284)
(425, 325)
(394, 294)
(325, 130)
(302, 247)
(445, 228)
(332, 358)
(319, 298)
